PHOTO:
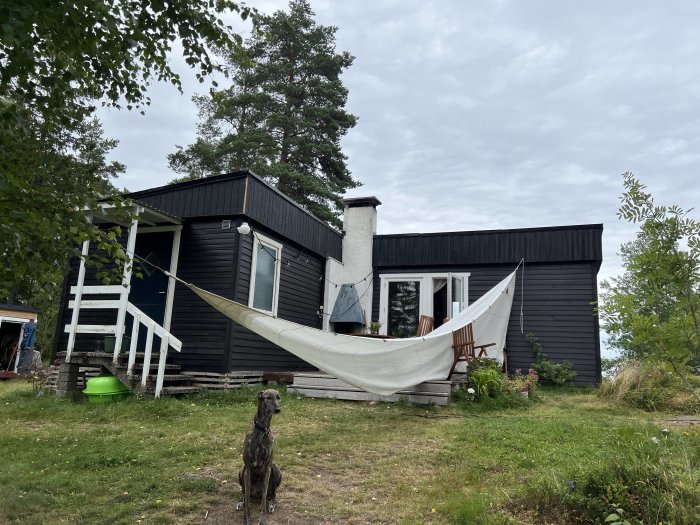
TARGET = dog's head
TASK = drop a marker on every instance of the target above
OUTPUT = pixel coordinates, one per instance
(271, 400)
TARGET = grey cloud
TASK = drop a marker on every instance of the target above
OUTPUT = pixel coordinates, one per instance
(481, 115)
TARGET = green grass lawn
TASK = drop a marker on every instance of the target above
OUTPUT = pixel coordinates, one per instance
(176, 460)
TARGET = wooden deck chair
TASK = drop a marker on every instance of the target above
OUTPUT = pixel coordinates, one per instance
(480, 348)
(464, 347)
(425, 325)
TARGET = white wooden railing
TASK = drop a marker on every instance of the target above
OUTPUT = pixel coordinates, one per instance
(167, 340)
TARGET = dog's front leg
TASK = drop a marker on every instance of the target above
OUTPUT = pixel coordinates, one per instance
(246, 495)
(263, 500)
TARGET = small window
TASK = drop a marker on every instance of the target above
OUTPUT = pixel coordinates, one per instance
(265, 275)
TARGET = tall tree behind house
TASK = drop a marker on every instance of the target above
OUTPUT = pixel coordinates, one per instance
(283, 115)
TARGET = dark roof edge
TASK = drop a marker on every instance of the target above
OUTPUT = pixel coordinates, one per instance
(227, 176)
(18, 308)
(485, 232)
(188, 183)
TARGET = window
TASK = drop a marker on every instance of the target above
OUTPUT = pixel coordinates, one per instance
(265, 275)
(404, 308)
(405, 297)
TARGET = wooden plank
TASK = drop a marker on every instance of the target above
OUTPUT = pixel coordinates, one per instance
(352, 391)
(92, 329)
(147, 354)
(126, 280)
(157, 329)
(95, 304)
(72, 330)
(132, 347)
(304, 379)
(367, 396)
(161, 367)
(227, 374)
(331, 382)
(101, 290)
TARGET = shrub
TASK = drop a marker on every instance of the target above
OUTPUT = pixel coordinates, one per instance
(487, 381)
(649, 386)
(484, 376)
(549, 373)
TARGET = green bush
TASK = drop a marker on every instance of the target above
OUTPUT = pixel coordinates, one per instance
(549, 373)
(487, 381)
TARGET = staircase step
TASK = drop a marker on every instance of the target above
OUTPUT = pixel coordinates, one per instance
(124, 356)
(167, 378)
(154, 367)
(177, 390)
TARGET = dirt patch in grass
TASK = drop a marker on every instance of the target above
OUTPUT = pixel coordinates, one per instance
(329, 488)
(225, 513)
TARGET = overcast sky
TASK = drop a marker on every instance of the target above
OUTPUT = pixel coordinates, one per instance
(490, 114)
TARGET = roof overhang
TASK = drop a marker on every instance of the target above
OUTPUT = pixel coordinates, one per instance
(146, 215)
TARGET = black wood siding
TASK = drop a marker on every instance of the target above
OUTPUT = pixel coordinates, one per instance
(285, 217)
(558, 309)
(300, 295)
(555, 244)
(243, 193)
(561, 266)
(208, 260)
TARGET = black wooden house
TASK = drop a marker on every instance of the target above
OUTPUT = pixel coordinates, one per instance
(191, 229)
(556, 285)
(238, 237)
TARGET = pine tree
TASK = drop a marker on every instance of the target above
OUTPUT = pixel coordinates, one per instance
(283, 115)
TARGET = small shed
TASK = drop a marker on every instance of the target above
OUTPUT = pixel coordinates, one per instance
(13, 318)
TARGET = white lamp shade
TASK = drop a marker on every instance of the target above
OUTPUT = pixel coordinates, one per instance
(244, 229)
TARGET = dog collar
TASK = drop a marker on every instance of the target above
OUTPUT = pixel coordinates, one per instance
(261, 429)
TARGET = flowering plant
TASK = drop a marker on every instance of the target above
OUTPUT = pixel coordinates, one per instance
(524, 382)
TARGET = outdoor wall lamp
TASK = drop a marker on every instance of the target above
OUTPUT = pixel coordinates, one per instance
(244, 229)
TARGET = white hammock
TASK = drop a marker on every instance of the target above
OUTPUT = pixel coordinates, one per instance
(380, 366)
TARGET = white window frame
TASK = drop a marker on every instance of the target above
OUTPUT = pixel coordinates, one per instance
(425, 302)
(277, 248)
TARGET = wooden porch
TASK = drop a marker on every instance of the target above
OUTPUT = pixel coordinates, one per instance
(131, 365)
(321, 385)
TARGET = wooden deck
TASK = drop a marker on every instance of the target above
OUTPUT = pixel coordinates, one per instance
(320, 385)
(227, 381)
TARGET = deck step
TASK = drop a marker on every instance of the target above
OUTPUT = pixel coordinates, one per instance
(321, 385)
(154, 367)
(167, 378)
(178, 390)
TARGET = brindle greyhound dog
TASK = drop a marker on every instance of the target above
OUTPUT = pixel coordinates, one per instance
(259, 475)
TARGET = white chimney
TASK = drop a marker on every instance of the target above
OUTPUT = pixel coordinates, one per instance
(360, 226)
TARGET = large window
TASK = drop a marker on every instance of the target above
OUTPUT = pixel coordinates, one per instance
(404, 308)
(405, 297)
(265, 275)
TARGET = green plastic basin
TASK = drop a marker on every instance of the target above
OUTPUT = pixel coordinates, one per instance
(105, 389)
